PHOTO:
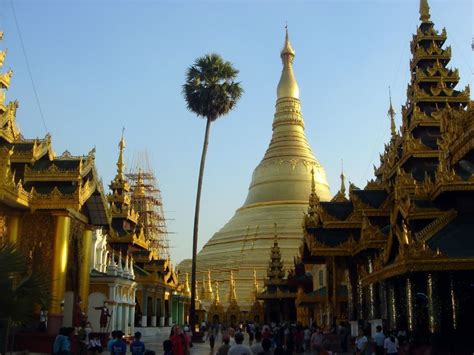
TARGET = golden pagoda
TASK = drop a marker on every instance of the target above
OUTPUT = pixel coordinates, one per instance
(278, 193)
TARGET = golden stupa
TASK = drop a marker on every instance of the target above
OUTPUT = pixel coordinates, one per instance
(278, 194)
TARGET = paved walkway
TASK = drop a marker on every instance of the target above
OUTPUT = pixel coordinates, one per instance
(155, 343)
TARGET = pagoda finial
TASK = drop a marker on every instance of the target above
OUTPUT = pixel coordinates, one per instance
(287, 87)
(209, 284)
(140, 186)
(232, 295)
(343, 179)
(424, 11)
(255, 283)
(217, 299)
(391, 114)
(120, 163)
(187, 289)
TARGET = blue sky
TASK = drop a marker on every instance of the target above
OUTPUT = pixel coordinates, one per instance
(102, 65)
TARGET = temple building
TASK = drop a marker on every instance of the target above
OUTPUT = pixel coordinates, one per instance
(278, 191)
(51, 206)
(400, 251)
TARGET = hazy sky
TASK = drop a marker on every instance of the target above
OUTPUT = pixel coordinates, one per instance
(102, 65)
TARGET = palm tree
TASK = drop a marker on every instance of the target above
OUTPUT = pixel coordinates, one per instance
(210, 92)
(21, 292)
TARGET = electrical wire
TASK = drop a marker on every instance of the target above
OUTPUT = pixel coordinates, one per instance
(28, 66)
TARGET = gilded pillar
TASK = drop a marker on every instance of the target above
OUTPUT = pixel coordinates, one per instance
(453, 303)
(360, 299)
(85, 267)
(58, 272)
(13, 228)
(433, 305)
(392, 306)
(383, 299)
(350, 295)
(371, 299)
(410, 305)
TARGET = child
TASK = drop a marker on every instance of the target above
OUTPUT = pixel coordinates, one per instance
(168, 347)
(137, 347)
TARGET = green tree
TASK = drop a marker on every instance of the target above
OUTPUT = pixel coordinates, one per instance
(21, 291)
(210, 92)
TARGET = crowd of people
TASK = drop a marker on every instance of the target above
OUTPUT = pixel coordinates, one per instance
(89, 343)
(285, 339)
(248, 339)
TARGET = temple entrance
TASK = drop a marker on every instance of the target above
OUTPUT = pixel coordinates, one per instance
(149, 311)
(215, 319)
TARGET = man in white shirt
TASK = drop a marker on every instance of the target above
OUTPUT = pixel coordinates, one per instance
(239, 348)
(257, 347)
(379, 339)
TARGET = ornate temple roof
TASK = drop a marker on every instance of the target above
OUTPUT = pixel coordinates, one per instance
(417, 213)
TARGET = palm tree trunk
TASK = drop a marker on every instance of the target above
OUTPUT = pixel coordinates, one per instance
(192, 308)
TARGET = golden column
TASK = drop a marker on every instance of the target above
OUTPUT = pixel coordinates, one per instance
(85, 266)
(433, 311)
(13, 228)
(410, 305)
(58, 272)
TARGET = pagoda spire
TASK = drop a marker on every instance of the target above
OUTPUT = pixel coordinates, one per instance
(275, 271)
(287, 87)
(343, 179)
(209, 285)
(424, 11)
(120, 163)
(216, 294)
(140, 186)
(232, 294)
(204, 294)
(187, 289)
(255, 284)
(391, 114)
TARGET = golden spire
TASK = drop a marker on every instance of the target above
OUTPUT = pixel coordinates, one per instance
(120, 163)
(187, 289)
(209, 284)
(255, 283)
(204, 294)
(217, 299)
(313, 183)
(232, 295)
(343, 179)
(287, 87)
(140, 186)
(424, 11)
(391, 114)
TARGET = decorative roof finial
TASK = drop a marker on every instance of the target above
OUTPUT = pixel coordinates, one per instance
(287, 48)
(343, 179)
(313, 182)
(424, 11)
(120, 163)
(391, 114)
